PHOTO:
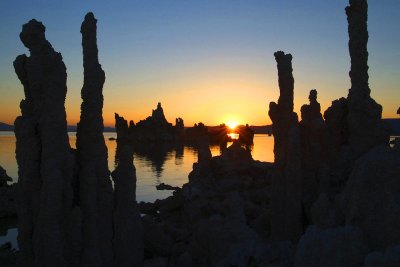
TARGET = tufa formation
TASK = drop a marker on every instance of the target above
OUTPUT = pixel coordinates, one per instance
(66, 210)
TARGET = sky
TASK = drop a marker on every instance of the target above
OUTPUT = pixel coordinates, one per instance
(207, 61)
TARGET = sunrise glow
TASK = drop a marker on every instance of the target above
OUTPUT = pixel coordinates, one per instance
(232, 124)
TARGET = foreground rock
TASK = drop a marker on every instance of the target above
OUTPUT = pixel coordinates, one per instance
(43, 153)
(372, 192)
(218, 219)
(335, 247)
(96, 199)
(65, 197)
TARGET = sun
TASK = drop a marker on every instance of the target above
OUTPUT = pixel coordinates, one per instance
(232, 124)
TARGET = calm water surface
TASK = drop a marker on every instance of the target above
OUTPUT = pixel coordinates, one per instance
(155, 164)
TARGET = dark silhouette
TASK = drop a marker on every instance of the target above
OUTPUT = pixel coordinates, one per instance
(96, 198)
(334, 182)
(43, 153)
(66, 212)
(286, 198)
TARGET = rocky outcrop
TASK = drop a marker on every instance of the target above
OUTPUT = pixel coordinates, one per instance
(96, 199)
(121, 127)
(343, 246)
(370, 199)
(43, 153)
(219, 218)
(153, 128)
(286, 209)
(128, 229)
(366, 129)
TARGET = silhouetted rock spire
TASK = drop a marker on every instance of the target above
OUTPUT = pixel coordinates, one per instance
(121, 127)
(312, 135)
(43, 153)
(96, 197)
(364, 117)
(286, 183)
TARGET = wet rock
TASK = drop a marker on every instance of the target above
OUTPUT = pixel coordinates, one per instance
(343, 246)
(286, 198)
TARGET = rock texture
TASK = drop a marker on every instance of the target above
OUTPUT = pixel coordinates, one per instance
(128, 229)
(371, 197)
(343, 246)
(96, 198)
(66, 210)
(217, 219)
(286, 199)
(364, 118)
(43, 153)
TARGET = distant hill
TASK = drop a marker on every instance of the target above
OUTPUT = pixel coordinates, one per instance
(6, 127)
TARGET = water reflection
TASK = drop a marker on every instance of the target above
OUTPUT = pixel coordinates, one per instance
(155, 154)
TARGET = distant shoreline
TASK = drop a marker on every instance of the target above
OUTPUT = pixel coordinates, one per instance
(392, 123)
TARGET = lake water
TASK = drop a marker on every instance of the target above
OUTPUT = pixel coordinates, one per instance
(155, 164)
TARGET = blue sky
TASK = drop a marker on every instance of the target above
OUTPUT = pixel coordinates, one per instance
(209, 61)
